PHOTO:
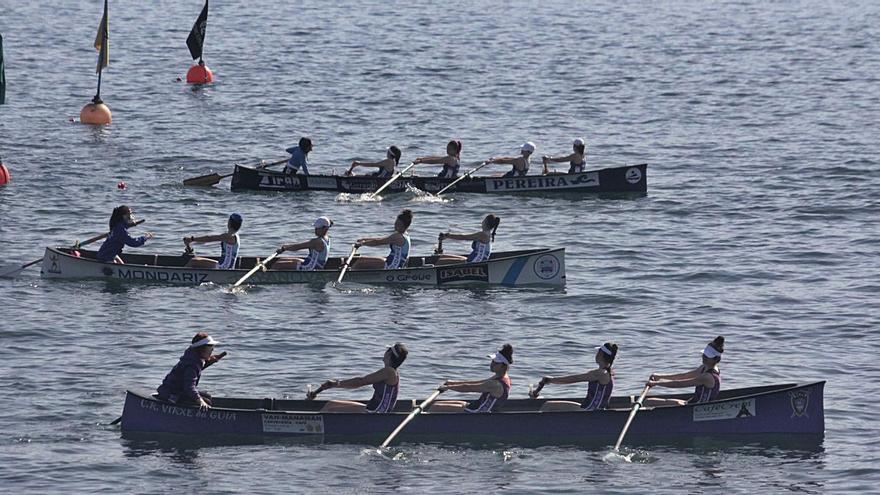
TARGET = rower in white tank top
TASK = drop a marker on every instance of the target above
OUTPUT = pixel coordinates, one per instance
(229, 246)
(319, 250)
(481, 245)
(229, 253)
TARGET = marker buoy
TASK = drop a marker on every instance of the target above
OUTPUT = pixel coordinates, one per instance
(199, 74)
(121, 185)
(5, 178)
(96, 113)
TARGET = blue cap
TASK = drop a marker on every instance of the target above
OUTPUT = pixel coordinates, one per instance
(236, 217)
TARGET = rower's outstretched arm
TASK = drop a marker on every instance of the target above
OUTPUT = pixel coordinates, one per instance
(357, 382)
(680, 376)
(298, 246)
(431, 160)
(209, 238)
(476, 236)
(377, 241)
(559, 159)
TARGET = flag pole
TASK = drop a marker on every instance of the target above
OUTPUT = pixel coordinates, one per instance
(97, 99)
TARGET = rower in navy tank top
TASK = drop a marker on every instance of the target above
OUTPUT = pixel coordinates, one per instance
(386, 167)
(521, 164)
(385, 382)
(706, 379)
(319, 250)
(398, 241)
(230, 243)
(493, 391)
(481, 245)
(576, 159)
(600, 384)
(451, 161)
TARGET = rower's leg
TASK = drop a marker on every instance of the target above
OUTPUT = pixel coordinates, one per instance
(560, 405)
(658, 402)
(340, 406)
(202, 263)
(447, 406)
(449, 259)
(287, 263)
(368, 263)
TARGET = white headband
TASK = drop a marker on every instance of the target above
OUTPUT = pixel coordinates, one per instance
(499, 358)
(605, 350)
(205, 341)
(711, 353)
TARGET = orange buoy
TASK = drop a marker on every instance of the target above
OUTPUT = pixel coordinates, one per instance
(199, 74)
(95, 113)
(5, 178)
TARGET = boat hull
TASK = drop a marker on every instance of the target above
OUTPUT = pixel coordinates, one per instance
(782, 410)
(629, 179)
(536, 267)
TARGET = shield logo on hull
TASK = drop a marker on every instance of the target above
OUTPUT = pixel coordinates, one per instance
(800, 399)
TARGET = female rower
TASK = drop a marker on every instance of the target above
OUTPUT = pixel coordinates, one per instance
(319, 250)
(576, 159)
(600, 383)
(386, 166)
(398, 241)
(299, 157)
(520, 163)
(120, 221)
(494, 389)
(385, 382)
(706, 378)
(229, 244)
(180, 385)
(451, 162)
(481, 247)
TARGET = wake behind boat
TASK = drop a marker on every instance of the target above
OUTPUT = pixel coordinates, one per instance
(531, 267)
(792, 410)
(627, 179)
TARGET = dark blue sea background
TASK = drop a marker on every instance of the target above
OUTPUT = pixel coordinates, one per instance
(759, 121)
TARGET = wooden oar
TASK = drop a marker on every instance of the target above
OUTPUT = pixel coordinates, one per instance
(11, 271)
(255, 269)
(354, 249)
(211, 179)
(632, 414)
(466, 175)
(421, 407)
(391, 180)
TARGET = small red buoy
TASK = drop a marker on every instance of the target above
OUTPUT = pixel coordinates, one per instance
(199, 74)
(96, 114)
(5, 177)
(121, 185)
(76, 254)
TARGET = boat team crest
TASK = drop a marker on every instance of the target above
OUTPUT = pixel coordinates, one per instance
(800, 399)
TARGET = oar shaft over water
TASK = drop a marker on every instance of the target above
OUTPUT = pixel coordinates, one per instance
(632, 414)
(392, 180)
(354, 249)
(465, 176)
(421, 407)
(255, 269)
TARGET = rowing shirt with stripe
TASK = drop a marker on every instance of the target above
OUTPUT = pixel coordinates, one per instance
(384, 398)
(598, 394)
(520, 173)
(383, 173)
(228, 254)
(705, 394)
(480, 251)
(316, 259)
(576, 168)
(399, 254)
(450, 172)
(486, 403)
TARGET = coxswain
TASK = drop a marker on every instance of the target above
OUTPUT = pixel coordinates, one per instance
(299, 154)
(520, 163)
(494, 390)
(576, 159)
(229, 246)
(481, 247)
(600, 383)
(120, 220)
(706, 379)
(318, 246)
(180, 385)
(385, 166)
(385, 382)
(398, 241)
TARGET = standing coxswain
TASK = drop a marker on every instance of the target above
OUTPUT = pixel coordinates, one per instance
(319, 250)
(120, 220)
(398, 241)
(493, 390)
(299, 154)
(706, 379)
(576, 159)
(386, 166)
(229, 245)
(451, 161)
(481, 247)
(600, 383)
(520, 163)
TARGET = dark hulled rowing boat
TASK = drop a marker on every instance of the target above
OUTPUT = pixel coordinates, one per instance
(629, 179)
(774, 410)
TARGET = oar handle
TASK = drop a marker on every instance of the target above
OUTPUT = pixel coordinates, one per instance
(78, 244)
(214, 359)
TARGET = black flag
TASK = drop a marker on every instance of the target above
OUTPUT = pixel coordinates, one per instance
(196, 38)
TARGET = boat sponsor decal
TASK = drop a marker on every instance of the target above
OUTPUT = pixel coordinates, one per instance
(188, 412)
(537, 183)
(279, 182)
(293, 423)
(725, 410)
(478, 272)
(369, 185)
(321, 182)
(547, 266)
(436, 185)
(633, 175)
(420, 276)
(800, 400)
(53, 268)
(157, 275)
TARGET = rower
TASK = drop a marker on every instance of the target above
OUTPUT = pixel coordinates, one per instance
(706, 379)
(385, 382)
(600, 383)
(481, 247)
(229, 244)
(494, 390)
(576, 159)
(299, 157)
(451, 161)
(386, 166)
(398, 241)
(180, 385)
(520, 163)
(120, 220)
(319, 250)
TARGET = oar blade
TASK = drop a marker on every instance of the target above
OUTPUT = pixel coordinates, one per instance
(203, 180)
(10, 271)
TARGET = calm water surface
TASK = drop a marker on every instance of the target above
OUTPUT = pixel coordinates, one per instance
(761, 223)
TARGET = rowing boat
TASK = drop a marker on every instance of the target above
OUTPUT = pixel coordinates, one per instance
(627, 179)
(775, 410)
(530, 267)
